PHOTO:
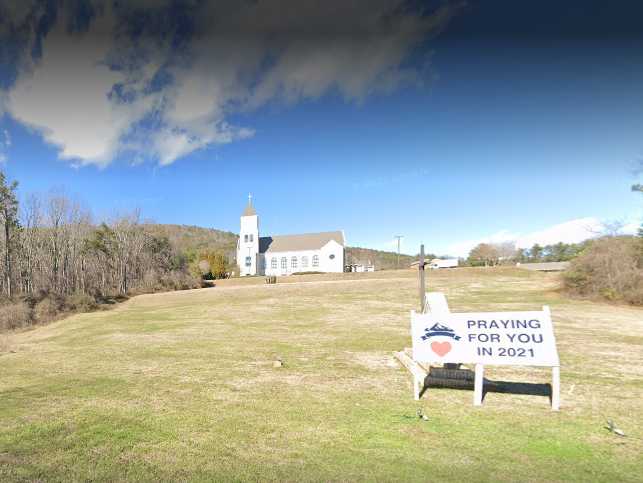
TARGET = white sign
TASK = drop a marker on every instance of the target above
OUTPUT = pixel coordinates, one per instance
(496, 338)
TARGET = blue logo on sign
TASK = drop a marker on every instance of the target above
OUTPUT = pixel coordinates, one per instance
(439, 329)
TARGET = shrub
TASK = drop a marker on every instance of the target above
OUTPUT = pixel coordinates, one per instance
(81, 302)
(15, 315)
(150, 282)
(5, 343)
(610, 268)
(179, 281)
(48, 308)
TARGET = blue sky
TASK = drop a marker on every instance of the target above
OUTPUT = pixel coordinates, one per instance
(525, 125)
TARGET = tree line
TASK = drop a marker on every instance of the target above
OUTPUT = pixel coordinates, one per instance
(609, 266)
(506, 253)
(55, 258)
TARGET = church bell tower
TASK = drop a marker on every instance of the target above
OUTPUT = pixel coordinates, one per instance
(248, 246)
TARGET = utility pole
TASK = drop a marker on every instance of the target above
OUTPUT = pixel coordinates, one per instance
(422, 280)
(399, 238)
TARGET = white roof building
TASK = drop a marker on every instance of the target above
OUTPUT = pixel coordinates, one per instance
(286, 254)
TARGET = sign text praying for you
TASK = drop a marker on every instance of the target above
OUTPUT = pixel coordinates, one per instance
(496, 338)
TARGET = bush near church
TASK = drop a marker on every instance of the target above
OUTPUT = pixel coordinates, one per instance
(210, 265)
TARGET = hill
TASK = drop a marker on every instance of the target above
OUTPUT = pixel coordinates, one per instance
(188, 238)
(381, 259)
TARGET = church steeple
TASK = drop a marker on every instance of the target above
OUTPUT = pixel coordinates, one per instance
(250, 210)
(248, 257)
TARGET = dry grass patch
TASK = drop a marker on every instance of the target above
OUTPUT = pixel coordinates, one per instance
(181, 386)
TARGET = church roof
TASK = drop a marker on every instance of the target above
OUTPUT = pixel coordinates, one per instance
(249, 211)
(306, 241)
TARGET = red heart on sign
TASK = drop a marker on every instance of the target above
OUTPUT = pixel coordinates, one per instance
(441, 348)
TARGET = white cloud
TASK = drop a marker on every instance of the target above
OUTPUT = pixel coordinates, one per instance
(5, 143)
(65, 97)
(173, 144)
(97, 94)
(631, 228)
(573, 231)
(462, 248)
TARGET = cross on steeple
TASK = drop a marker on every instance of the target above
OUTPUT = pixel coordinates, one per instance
(250, 210)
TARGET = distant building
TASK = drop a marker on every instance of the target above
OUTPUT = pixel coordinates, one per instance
(286, 254)
(436, 263)
(446, 263)
(545, 266)
(360, 267)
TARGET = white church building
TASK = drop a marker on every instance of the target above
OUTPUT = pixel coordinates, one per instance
(286, 254)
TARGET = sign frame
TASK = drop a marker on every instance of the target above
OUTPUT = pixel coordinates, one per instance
(547, 357)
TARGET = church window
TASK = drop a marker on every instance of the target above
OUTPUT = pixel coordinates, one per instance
(304, 262)
(273, 262)
(248, 261)
(284, 263)
(293, 262)
(332, 256)
(251, 238)
(315, 261)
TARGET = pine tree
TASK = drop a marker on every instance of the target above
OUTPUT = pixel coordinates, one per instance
(536, 253)
(639, 188)
(9, 218)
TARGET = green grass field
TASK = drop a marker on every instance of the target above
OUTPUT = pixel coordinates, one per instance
(181, 386)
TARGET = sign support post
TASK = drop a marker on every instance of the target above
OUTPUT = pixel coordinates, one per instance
(555, 388)
(478, 385)
(555, 377)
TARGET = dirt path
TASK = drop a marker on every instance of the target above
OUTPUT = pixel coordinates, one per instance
(272, 286)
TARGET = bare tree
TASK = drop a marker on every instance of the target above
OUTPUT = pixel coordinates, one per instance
(130, 241)
(32, 220)
(506, 251)
(55, 211)
(53, 252)
(612, 228)
(484, 254)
